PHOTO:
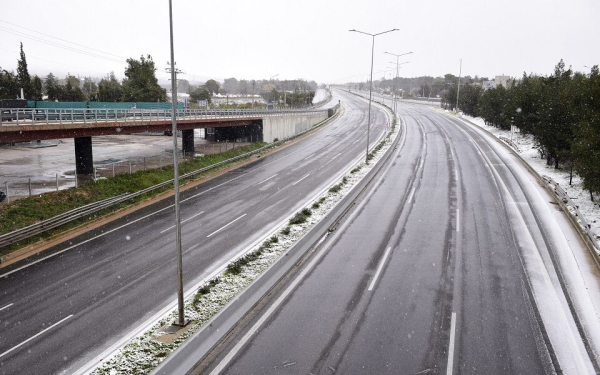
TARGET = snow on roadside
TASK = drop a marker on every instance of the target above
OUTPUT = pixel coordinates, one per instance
(528, 150)
(142, 354)
(320, 96)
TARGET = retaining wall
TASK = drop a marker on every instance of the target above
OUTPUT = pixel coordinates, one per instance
(281, 127)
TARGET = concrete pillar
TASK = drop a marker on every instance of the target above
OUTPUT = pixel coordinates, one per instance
(84, 162)
(187, 141)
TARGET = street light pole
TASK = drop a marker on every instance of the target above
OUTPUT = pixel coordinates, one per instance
(181, 318)
(458, 89)
(371, 84)
(397, 72)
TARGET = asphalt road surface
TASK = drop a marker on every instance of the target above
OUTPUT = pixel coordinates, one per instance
(431, 273)
(58, 314)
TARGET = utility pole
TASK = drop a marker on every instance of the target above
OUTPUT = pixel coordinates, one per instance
(458, 90)
(181, 317)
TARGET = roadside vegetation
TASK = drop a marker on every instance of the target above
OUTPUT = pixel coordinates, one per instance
(27, 211)
(560, 111)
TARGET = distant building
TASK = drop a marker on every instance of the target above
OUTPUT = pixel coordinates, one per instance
(497, 81)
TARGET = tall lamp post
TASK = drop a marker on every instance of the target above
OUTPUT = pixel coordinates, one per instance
(371, 83)
(181, 317)
(397, 65)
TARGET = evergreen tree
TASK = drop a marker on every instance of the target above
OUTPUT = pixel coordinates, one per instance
(23, 77)
(36, 88)
(110, 90)
(9, 87)
(140, 84)
(52, 87)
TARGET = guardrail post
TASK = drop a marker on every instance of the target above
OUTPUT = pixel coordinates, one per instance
(144, 163)
(6, 190)
(57, 182)
(113, 169)
(129, 166)
(95, 174)
(76, 178)
(30, 187)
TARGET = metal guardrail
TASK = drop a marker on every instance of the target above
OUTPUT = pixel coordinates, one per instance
(44, 225)
(574, 210)
(48, 116)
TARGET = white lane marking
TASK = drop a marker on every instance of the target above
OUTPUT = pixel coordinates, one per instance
(310, 156)
(86, 241)
(268, 179)
(188, 219)
(354, 142)
(214, 187)
(457, 220)
(450, 365)
(226, 225)
(34, 336)
(410, 196)
(221, 366)
(7, 306)
(300, 179)
(387, 252)
(339, 153)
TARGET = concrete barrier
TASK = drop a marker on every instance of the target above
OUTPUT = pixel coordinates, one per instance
(282, 127)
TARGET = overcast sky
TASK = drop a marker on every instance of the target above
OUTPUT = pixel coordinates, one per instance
(301, 39)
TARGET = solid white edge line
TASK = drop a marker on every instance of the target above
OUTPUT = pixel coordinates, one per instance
(381, 263)
(450, 365)
(458, 220)
(34, 336)
(410, 196)
(300, 179)
(233, 352)
(6, 307)
(265, 180)
(88, 367)
(226, 225)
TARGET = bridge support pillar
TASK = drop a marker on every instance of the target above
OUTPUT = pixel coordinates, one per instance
(187, 141)
(84, 162)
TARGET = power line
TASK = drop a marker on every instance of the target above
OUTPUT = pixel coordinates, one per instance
(32, 37)
(64, 40)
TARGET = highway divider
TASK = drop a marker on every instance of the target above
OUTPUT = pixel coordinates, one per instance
(189, 354)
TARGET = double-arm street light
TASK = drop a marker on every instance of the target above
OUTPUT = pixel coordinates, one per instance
(371, 83)
(397, 65)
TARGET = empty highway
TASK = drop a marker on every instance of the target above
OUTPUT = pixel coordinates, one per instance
(448, 264)
(60, 313)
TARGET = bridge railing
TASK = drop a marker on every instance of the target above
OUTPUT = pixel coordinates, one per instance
(47, 116)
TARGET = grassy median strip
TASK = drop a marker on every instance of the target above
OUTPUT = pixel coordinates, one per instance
(28, 211)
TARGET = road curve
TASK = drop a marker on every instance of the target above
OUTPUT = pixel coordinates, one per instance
(444, 267)
(61, 312)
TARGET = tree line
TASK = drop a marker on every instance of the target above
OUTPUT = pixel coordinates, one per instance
(139, 85)
(561, 111)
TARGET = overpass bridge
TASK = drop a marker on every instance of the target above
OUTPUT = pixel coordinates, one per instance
(27, 124)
